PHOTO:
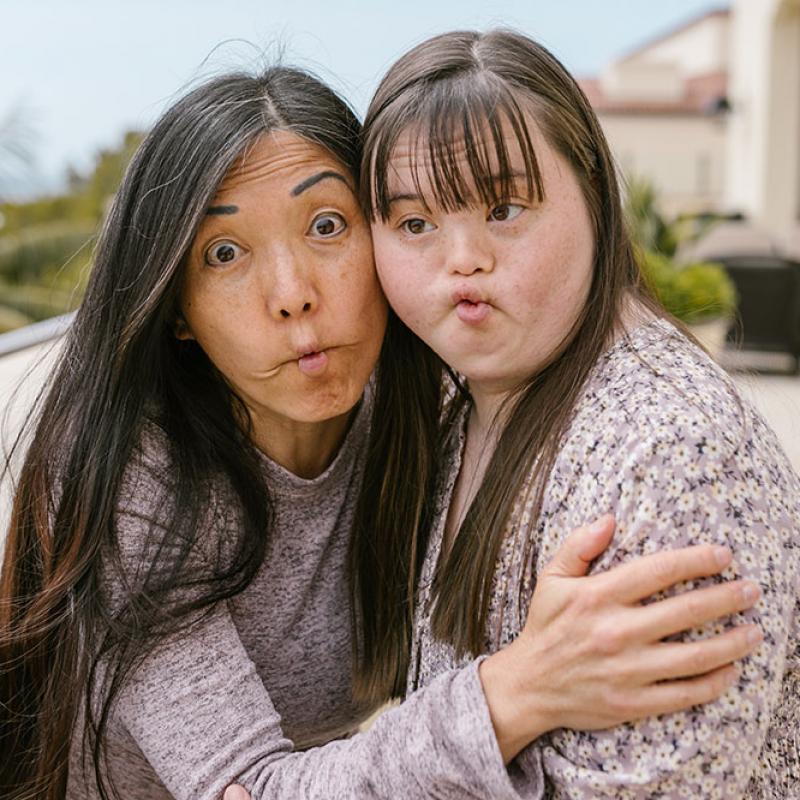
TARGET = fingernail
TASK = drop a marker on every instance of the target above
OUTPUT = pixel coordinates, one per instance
(723, 555)
(755, 635)
(750, 592)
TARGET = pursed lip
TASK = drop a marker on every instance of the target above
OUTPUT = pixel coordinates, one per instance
(307, 349)
(470, 294)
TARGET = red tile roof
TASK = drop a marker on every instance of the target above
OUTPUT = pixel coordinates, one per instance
(701, 94)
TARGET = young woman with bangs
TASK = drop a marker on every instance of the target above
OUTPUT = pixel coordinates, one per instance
(499, 242)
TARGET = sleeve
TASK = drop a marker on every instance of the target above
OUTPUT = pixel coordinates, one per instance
(201, 716)
(691, 487)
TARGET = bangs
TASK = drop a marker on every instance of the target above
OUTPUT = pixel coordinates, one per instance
(461, 129)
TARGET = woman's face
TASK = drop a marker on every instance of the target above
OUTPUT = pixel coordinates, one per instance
(494, 290)
(280, 288)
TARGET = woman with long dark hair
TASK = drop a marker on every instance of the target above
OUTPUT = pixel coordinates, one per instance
(493, 195)
(175, 608)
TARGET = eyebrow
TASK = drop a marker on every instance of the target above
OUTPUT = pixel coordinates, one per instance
(314, 179)
(218, 211)
(413, 197)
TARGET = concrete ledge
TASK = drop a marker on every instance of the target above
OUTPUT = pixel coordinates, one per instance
(32, 335)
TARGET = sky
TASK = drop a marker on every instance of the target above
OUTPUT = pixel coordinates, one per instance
(81, 72)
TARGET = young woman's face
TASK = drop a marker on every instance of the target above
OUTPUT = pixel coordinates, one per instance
(495, 289)
(280, 288)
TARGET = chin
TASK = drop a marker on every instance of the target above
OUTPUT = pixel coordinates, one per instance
(326, 404)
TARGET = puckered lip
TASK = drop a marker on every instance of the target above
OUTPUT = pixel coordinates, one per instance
(469, 293)
(308, 348)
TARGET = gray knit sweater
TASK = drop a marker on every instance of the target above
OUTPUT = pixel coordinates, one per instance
(259, 691)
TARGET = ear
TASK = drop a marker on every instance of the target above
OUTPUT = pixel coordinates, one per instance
(181, 329)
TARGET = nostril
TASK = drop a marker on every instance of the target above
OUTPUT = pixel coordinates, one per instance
(307, 307)
(284, 313)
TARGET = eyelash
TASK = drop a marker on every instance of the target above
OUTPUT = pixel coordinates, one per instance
(211, 248)
(331, 215)
(207, 256)
(406, 222)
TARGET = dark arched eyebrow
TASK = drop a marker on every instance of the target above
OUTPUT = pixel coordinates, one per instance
(320, 176)
(219, 211)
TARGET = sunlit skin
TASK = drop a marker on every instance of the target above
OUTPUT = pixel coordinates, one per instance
(494, 290)
(280, 292)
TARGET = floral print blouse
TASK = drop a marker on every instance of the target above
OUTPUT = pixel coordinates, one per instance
(660, 438)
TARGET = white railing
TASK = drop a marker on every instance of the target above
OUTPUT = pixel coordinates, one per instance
(33, 335)
(26, 358)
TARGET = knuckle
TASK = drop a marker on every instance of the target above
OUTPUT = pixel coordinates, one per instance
(588, 599)
(665, 567)
(695, 608)
(607, 638)
(697, 660)
(617, 704)
(717, 684)
(687, 695)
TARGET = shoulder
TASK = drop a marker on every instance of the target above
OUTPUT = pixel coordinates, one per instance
(149, 480)
(654, 388)
(662, 438)
(165, 520)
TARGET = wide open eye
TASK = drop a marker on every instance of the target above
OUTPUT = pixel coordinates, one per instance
(327, 225)
(505, 212)
(222, 253)
(416, 226)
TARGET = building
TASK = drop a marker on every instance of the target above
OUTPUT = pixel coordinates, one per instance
(664, 109)
(710, 112)
(762, 176)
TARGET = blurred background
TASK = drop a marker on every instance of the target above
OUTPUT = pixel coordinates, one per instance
(700, 102)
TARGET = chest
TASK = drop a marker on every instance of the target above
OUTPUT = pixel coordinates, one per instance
(295, 619)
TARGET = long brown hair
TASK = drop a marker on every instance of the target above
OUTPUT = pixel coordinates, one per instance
(458, 93)
(121, 367)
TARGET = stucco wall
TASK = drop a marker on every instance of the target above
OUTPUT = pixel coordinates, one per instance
(763, 146)
(682, 155)
(700, 49)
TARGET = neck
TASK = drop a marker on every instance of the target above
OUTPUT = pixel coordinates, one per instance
(304, 448)
(486, 416)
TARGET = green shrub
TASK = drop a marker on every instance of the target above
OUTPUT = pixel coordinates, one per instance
(38, 302)
(43, 251)
(10, 319)
(693, 293)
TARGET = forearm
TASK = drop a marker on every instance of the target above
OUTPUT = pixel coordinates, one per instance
(439, 743)
(215, 725)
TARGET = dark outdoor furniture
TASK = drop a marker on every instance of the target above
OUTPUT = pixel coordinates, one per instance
(769, 304)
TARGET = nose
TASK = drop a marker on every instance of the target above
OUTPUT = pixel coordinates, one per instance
(469, 249)
(289, 289)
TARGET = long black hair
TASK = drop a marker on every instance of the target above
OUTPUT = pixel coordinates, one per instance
(121, 368)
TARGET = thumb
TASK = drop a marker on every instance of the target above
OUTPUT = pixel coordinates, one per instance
(236, 792)
(579, 549)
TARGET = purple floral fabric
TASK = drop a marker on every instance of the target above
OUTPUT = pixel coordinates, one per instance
(660, 438)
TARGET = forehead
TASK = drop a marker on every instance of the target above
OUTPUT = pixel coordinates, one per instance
(461, 160)
(278, 158)
(417, 151)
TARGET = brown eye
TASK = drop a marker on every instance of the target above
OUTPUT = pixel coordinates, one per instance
(326, 226)
(416, 226)
(505, 212)
(222, 253)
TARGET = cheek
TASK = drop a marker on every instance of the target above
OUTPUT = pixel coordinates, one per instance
(397, 275)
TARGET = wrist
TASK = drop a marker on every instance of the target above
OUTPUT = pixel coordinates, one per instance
(515, 707)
